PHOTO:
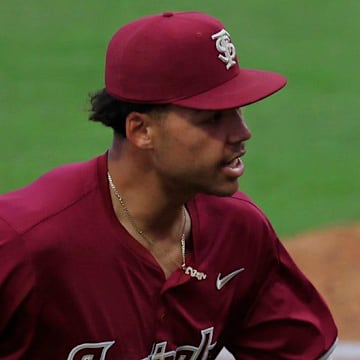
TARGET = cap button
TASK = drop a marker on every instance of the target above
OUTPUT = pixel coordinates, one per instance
(168, 14)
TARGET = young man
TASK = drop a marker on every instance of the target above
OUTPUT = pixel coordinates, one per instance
(149, 251)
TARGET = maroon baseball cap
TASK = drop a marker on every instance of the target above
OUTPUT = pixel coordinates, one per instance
(182, 58)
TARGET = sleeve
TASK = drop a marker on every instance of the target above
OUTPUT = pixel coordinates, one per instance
(18, 305)
(288, 318)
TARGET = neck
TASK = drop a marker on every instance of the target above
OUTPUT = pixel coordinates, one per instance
(157, 211)
(147, 207)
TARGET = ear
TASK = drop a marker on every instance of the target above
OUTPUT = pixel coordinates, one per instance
(138, 129)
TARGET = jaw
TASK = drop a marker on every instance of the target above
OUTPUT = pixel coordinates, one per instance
(183, 190)
(181, 180)
(218, 185)
(227, 189)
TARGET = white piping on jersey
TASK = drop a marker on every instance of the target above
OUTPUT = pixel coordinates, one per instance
(327, 355)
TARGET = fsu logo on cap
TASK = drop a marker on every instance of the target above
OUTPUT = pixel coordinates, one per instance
(225, 47)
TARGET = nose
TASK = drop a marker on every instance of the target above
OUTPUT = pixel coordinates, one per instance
(238, 130)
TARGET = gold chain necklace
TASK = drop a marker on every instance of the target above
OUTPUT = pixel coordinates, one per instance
(188, 270)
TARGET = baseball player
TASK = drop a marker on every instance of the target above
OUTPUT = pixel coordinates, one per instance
(149, 251)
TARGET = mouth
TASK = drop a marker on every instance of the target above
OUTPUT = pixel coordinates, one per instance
(234, 167)
(234, 163)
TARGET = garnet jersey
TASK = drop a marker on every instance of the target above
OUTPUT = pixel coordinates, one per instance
(75, 285)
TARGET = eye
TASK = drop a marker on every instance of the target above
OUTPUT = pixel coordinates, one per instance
(214, 118)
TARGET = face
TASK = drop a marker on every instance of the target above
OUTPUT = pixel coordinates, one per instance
(199, 151)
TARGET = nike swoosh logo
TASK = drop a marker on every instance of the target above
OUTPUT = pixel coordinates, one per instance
(221, 281)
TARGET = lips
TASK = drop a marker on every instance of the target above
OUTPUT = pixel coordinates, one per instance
(234, 167)
(235, 159)
(234, 163)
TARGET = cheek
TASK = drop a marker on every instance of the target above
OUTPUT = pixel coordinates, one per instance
(175, 141)
(193, 150)
(187, 148)
(196, 157)
(178, 155)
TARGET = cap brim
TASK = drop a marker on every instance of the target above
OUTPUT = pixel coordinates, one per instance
(248, 87)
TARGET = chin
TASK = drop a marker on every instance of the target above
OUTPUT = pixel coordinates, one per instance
(223, 191)
(225, 194)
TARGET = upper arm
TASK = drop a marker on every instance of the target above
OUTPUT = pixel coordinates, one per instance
(288, 318)
(17, 295)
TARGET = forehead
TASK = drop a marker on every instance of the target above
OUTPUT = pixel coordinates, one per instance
(189, 112)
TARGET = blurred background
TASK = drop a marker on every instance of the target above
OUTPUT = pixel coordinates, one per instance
(303, 159)
(302, 165)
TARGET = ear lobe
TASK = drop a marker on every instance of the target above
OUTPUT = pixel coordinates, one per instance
(138, 130)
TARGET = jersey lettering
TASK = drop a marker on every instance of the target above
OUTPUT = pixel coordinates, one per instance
(185, 352)
(90, 351)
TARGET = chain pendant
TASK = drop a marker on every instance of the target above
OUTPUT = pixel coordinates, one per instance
(188, 270)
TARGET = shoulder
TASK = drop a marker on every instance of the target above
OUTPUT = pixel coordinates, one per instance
(235, 220)
(235, 209)
(50, 194)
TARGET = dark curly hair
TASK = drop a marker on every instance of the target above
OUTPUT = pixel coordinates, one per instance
(113, 112)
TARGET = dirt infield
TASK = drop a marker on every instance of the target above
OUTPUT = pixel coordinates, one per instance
(331, 260)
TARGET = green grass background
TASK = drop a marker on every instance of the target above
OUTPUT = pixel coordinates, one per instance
(303, 160)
